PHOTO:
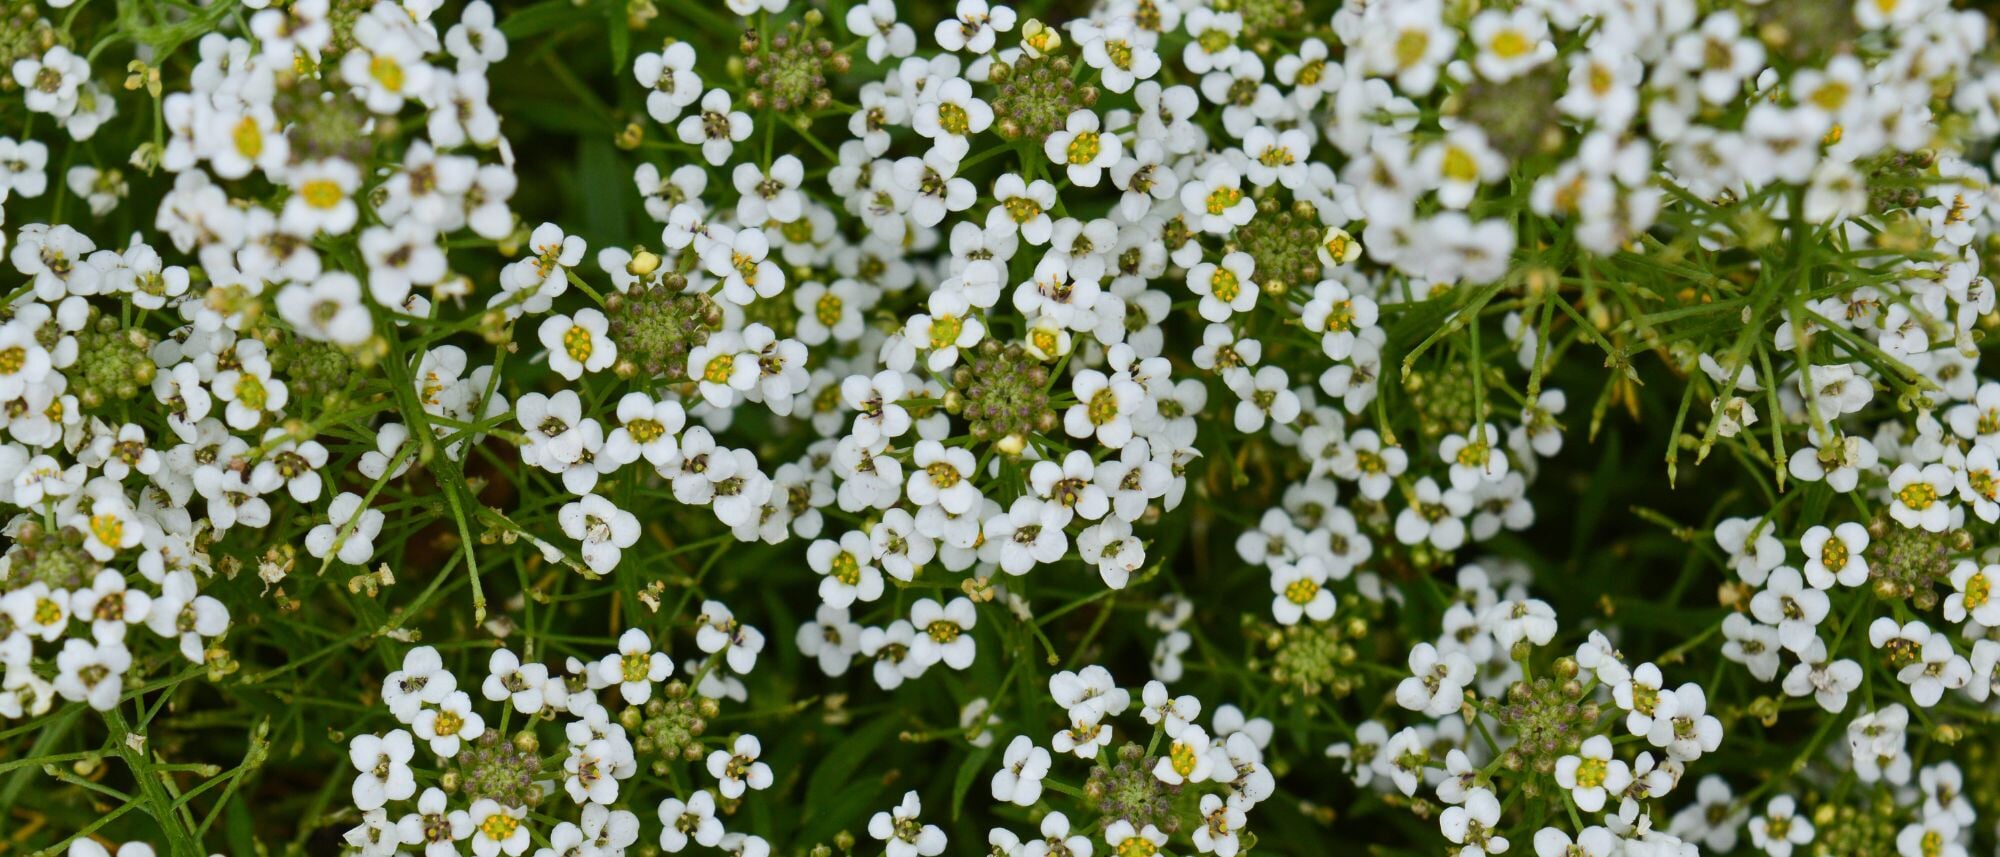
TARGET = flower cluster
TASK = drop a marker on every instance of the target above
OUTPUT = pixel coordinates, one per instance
(358, 346)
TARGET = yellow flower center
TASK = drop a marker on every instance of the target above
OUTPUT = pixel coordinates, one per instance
(645, 431)
(1137, 846)
(1084, 148)
(249, 138)
(1301, 591)
(1224, 285)
(577, 343)
(1831, 95)
(719, 369)
(953, 119)
(945, 330)
(1411, 45)
(827, 309)
(1510, 44)
(109, 529)
(499, 826)
(1222, 199)
(1917, 495)
(846, 568)
(1311, 73)
(635, 666)
(387, 72)
(1119, 53)
(321, 193)
(1215, 40)
(1183, 758)
(1459, 165)
(1590, 774)
(250, 391)
(1022, 209)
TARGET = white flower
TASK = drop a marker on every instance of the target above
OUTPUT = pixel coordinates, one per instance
(349, 532)
(1104, 407)
(1973, 597)
(1472, 824)
(879, 417)
(1300, 589)
(1591, 842)
(1780, 829)
(770, 195)
(1752, 644)
(1437, 681)
(450, 723)
(973, 28)
(497, 828)
(183, 614)
(1022, 767)
(578, 345)
(1220, 821)
(384, 765)
(1435, 515)
(1225, 288)
(603, 529)
(110, 606)
(1682, 726)
(1937, 835)
(1835, 555)
(693, 819)
(635, 667)
(716, 128)
(945, 632)
(1936, 668)
(737, 768)
(1187, 758)
(434, 825)
(1829, 683)
(1592, 774)
(1124, 839)
(1262, 396)
(321, 196)
(509, 680)
(1080, 146)
(887, 37)
(848, 569)
(1111, 547)
(1216, 199)
(328, 309)
(1921, 496)
(741, 259)
(1794, 607)
(900, 831)
(92, 672)
(1475, 459)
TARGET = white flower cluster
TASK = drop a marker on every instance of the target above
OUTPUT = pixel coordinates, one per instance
(486, 783)
(979, 301)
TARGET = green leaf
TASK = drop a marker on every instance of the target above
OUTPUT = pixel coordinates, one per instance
(848, 810)
(836, 772)
(966, 774)
(540, 17)
(620, 26)
(603, 181)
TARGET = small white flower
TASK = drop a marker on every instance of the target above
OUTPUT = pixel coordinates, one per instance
(737, 768)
